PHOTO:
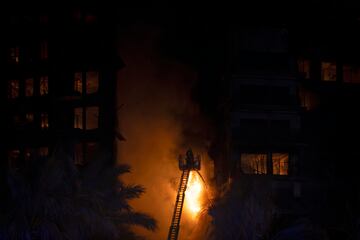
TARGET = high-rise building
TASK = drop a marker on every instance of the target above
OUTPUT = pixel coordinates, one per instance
(58, 84)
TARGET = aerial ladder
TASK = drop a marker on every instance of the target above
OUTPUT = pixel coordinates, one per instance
(186, 165)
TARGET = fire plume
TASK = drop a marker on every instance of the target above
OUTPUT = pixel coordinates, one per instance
(193, 194)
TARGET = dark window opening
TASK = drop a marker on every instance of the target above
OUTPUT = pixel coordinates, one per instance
(14, 54)
(86, 118)
(44, 50)
(14, 158)
(29, 87)
(254, 163)
(304, 68)
(44, 117)
(351, 74)
(13, 88)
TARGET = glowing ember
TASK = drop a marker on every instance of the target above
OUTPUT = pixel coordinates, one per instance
(193, 194)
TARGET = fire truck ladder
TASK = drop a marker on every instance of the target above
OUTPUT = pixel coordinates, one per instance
(175, 222)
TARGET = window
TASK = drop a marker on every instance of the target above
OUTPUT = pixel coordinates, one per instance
(29, 153)
(254, 163)
(280, 162)
(78, 118)
(84, 152)
(351, 74)
(328, 71)
(44, 85)
(44, 50)
(309, 100)
(14, 158)
(92, 117)
(43, 151)
(13, 88)
(79, 154)
(29, 87)
(304, 68)
(14, 54)
(29, 117)
(78, 82)
(92, 82)
(44, 120)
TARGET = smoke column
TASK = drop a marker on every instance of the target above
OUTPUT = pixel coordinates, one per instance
(159, 121)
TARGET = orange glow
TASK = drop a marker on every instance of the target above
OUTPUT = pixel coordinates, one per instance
(193, 194)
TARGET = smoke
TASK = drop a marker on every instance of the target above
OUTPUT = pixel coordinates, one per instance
(159, 121)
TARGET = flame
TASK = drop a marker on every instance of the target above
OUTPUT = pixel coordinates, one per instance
(193, 194)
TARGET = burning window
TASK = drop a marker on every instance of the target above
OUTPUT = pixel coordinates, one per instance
(13, 88)
(92, 117)
(254, 163)
(328, 71)
(29, 117)
(44, 50)
(29, 87)
(44, 117)
(351, 74)
(280, 162)
(44, 85)
(92, 82)
(78, 118)
(78, 82)
(304, 68)
(43, 151)
(14, 158)
(14, 54)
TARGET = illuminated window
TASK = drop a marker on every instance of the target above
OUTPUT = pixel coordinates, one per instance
(14, 54)
(43, 151)
(44, 117)
(29, 117)
(328, 71)
(78, 82)
(29, 87)
(92, 82)
(44, 85)
(78, 118)
(351, 74)
(280, 162)
(14, 158)
(92, 117)
(44, 50)
(13, 88)
(254, 163)
(304, 68)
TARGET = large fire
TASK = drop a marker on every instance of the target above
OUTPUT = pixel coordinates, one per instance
(193, 194)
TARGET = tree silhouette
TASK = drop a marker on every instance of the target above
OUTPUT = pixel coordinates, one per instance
(54, 200)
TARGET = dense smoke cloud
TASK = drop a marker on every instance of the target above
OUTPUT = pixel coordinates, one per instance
(159, 121)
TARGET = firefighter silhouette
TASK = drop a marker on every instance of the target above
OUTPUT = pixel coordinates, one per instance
(189, 159)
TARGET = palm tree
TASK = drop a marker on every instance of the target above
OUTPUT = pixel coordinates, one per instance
(55, 200)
